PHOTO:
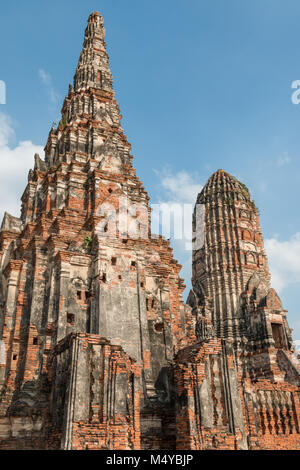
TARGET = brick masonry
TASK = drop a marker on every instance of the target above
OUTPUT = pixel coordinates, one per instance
(98, 349)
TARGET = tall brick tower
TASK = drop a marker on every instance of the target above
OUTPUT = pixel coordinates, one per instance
(91, 305)
(231, 278)
(241, 381)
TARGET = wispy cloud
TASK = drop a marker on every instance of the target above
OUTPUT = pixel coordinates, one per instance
(47, 81)
(180, 187)
(176, 197)
(284, 261)
(15, 163)
(283, 159)
(6, 130)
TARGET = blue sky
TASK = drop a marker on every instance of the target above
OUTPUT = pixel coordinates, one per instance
(202, 85)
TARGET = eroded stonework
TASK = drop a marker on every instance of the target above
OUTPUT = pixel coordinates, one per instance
(98, 349)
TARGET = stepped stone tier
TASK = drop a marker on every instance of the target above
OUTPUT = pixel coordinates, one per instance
(97, 348)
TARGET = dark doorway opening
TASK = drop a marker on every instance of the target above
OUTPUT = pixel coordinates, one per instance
(278, 335)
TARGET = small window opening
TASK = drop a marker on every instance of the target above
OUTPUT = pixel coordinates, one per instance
(124, 241)
(79, 294)
(133, 264)
(15, 357)
(35, 341)
(114, 261)
(101, 79)
(159, 327)
(70, 318)
(120, 277)
(142, 284)
(106, 228)
(278, 335)
(153, 303)
(110, 190)
(87, 295)
(104, 277)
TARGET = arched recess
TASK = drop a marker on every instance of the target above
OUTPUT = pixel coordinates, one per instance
(247, 235)
(251, 258)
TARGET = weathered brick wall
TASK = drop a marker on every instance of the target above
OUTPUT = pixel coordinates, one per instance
(220, 407)
(96, 394)
(98, 350)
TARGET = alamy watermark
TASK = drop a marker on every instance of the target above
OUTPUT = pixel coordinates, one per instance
(2, 92)
(124, 219)
(296, 95)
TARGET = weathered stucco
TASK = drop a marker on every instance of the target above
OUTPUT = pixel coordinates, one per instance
(97, 348)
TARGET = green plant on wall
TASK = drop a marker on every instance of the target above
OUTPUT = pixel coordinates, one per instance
(87, 241)
(244, 187)
(254, 207)
(229, 201)
(55, 168)
(63, 121)
(246, 192)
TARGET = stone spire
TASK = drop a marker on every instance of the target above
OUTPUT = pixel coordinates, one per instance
(93, 66)
(231, 253)
(87, 146)
(90, 114)
(86, 203)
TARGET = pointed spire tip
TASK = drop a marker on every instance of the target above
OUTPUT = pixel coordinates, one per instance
(93, 16)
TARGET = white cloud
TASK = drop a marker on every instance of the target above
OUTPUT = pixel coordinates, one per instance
(181, 187)
(177, 195)
(176, 201)
(283, 159)
(284, 261)
(15, 163)
(6, 131)
(47, 81)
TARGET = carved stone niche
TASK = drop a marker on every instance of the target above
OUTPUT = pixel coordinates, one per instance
(204, 329)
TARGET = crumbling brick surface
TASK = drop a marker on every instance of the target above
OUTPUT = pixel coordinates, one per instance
(97, 348)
